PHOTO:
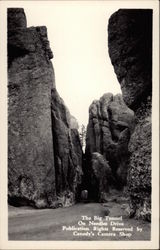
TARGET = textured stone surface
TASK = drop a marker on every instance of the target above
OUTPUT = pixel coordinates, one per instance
(44, 154)
(31, 170)
(101, 177)
(130, 49)
(139, 177)
(16, 19)
(108, 133)
(67, 151)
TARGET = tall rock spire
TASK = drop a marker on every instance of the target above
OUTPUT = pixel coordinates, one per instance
(34, 176)
(130, 50)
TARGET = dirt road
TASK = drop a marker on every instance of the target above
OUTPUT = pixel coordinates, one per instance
(26, 223)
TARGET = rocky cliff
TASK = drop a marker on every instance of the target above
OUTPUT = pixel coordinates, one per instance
(44, 153)
(130, 50)
(67, 152)
(110, 125)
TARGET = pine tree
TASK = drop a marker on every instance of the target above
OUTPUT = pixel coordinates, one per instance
(82, 135)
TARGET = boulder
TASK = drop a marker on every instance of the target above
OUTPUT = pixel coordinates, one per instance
(130, 50)
(101, 177)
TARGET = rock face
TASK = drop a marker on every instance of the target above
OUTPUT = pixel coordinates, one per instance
(67, 151)
(101, 176)
(130, 49)
(16, 19)
(44, 156)
(108, 133)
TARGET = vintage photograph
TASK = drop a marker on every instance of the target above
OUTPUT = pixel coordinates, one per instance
(79, 122)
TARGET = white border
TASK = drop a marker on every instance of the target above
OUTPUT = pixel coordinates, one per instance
(4, 243)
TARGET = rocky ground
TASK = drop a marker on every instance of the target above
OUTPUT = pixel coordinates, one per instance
(26, 223)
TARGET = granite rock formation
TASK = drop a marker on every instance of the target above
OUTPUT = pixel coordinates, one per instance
(130, 50)
(67, 151)
(44, 154)
(108, 132)
(101, 176)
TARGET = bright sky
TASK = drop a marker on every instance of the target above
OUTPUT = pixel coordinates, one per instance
(78, 38)
(77, 31)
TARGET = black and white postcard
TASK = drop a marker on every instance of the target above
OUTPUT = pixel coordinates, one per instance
(79, 124)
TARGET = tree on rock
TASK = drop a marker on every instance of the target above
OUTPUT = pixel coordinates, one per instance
(82, 135)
